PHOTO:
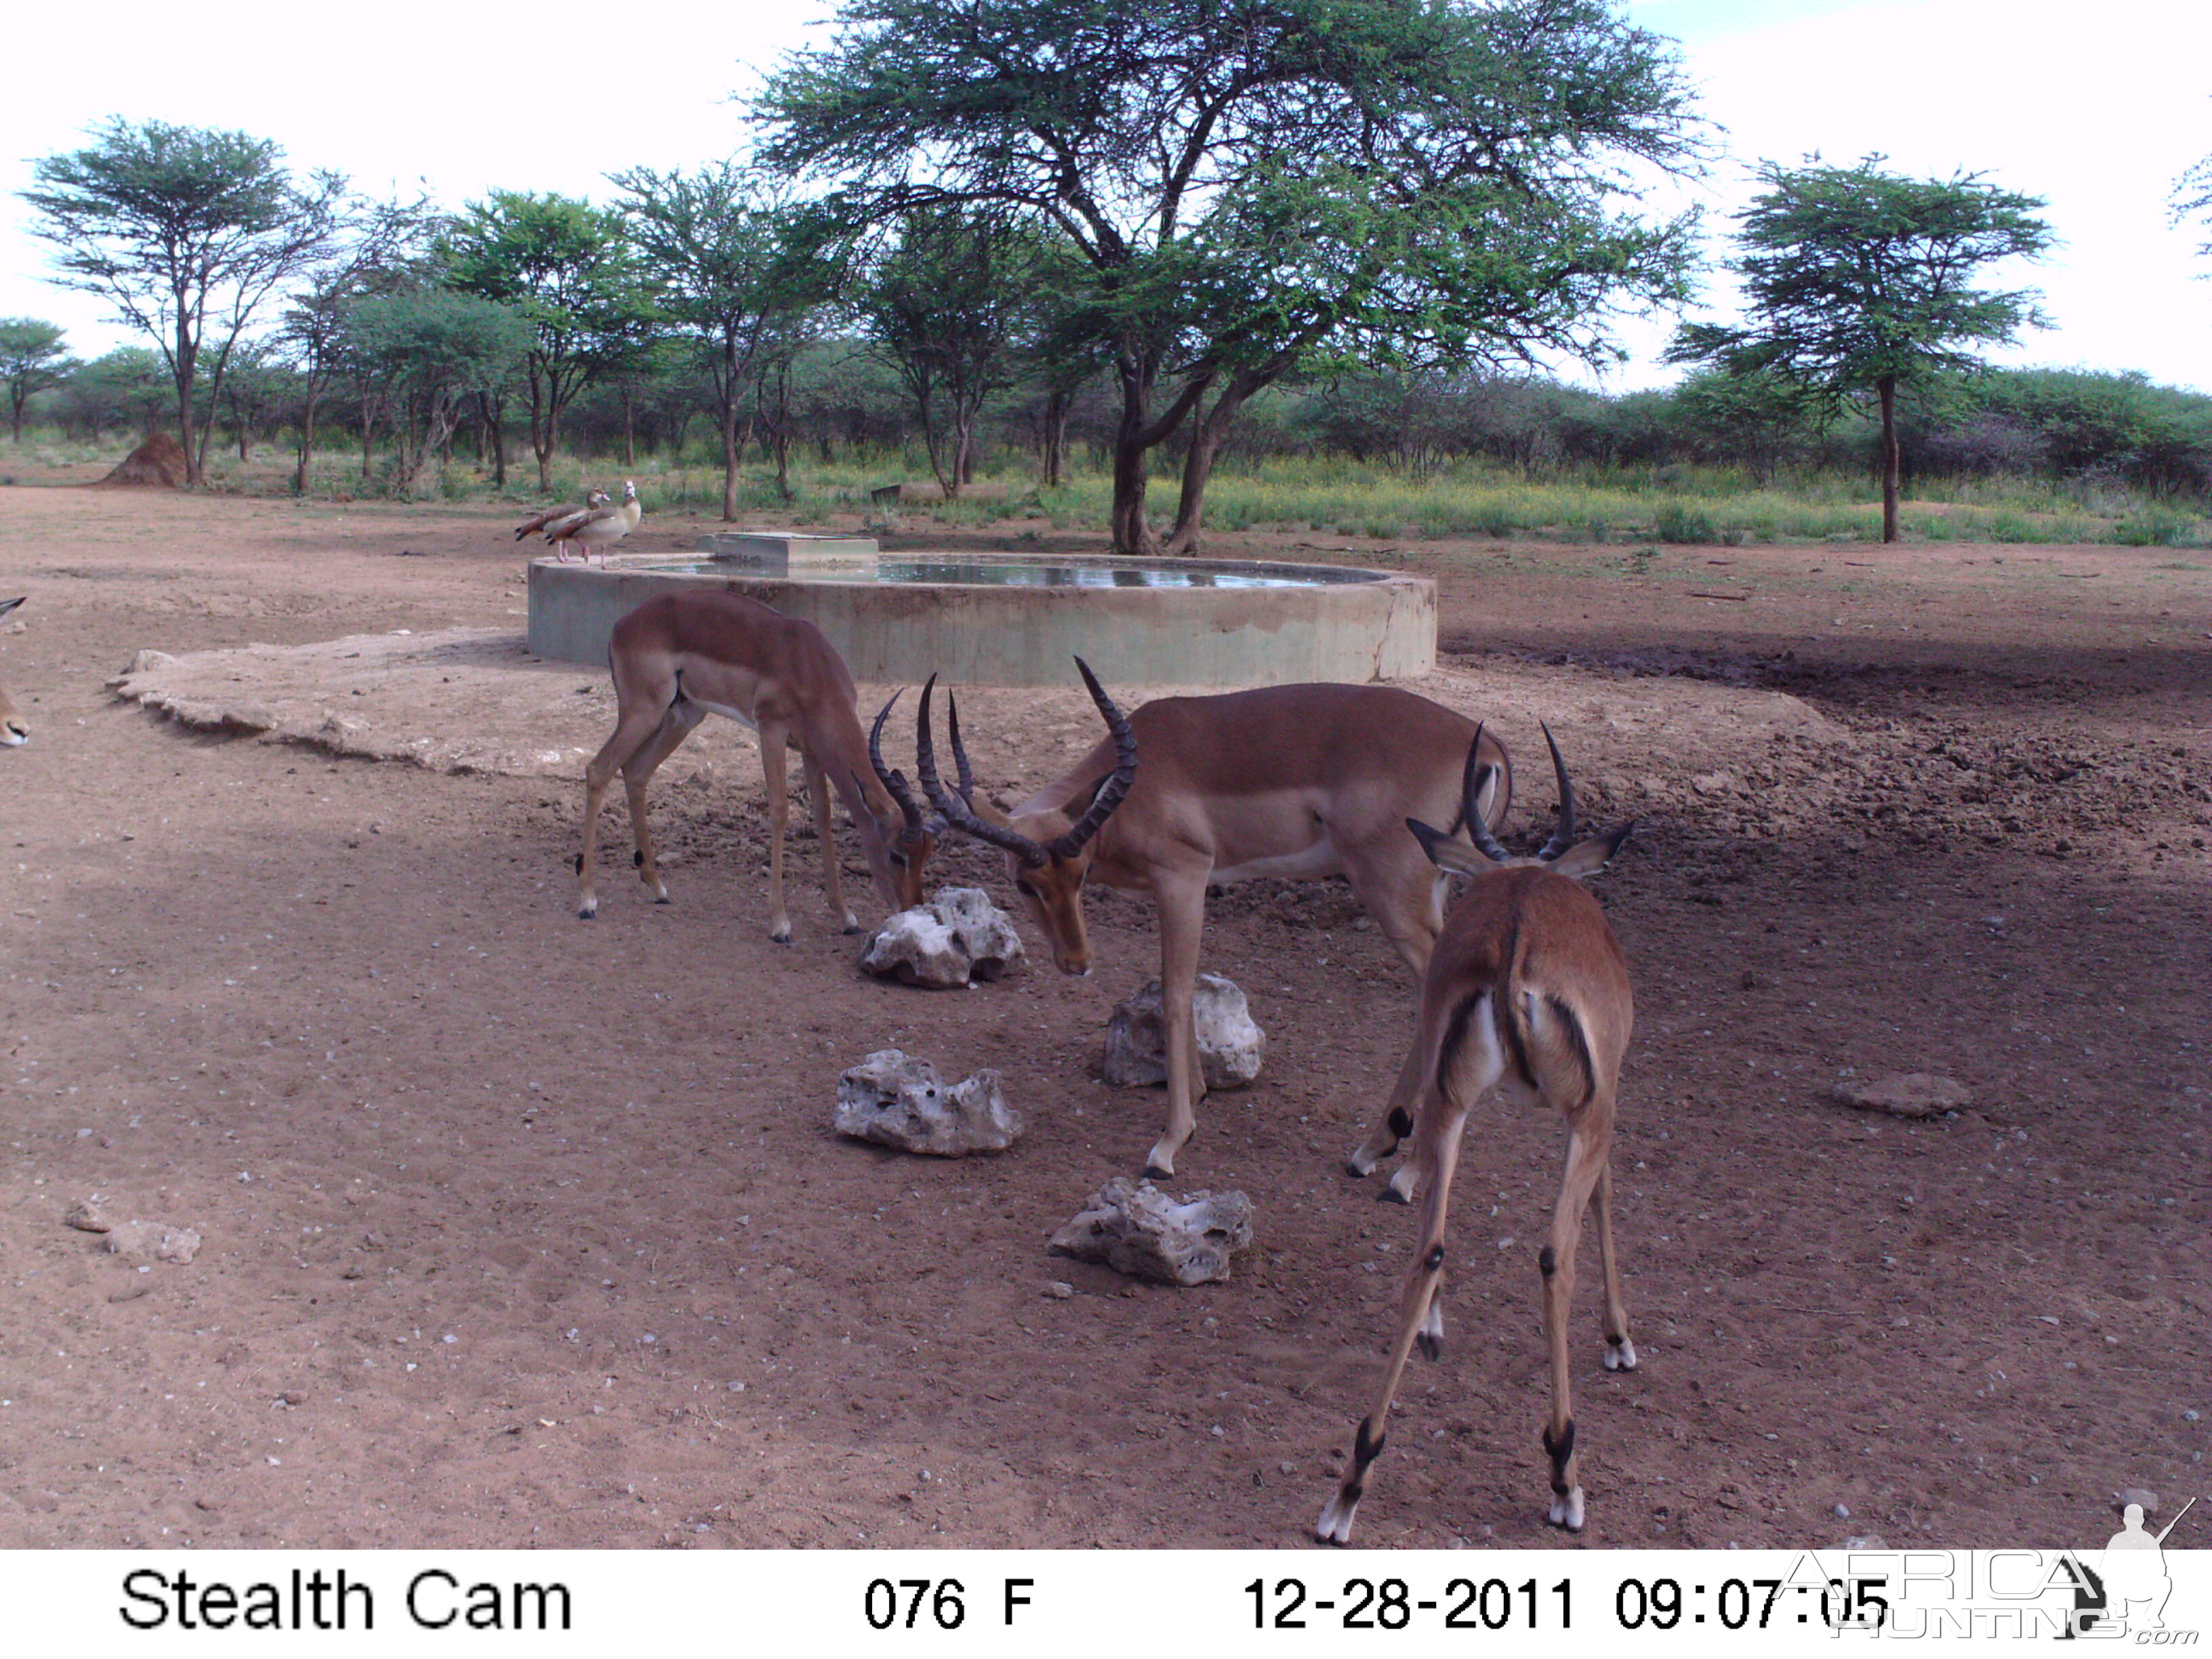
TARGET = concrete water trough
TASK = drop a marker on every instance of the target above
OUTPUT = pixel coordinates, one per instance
(1006, 619)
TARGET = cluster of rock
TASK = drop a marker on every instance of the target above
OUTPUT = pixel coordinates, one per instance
(897, 1099)
(959, 937)
(1230, 1045)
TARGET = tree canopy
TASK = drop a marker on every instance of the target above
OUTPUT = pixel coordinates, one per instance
(186, 231)
(733, 259)
(570, 269)
(1859, 280)
(32, 358)
(1261, 186)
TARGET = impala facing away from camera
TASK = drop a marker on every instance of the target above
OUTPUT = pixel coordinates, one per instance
(1527, 993)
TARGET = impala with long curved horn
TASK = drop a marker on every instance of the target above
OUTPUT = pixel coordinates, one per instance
(1299, 782)
(679, 658)
(1528, 992)
(13, 731)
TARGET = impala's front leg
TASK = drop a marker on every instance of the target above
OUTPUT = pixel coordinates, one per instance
(832, 885)
(1182, 919)
(773, 737)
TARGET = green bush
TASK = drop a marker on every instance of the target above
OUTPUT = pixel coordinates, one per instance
(1680, 525)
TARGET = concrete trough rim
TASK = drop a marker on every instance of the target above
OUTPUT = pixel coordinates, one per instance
(1316, 622)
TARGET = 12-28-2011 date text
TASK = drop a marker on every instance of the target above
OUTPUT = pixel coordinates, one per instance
(1392, 1604)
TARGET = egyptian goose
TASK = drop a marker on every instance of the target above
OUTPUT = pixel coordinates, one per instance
(554, 515)
(601, 527)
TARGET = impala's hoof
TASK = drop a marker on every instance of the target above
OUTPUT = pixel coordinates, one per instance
(1432, 1346)
(779, 939)
(662, 898)
(1391, 1195)
(1566, 1511)
(852, 928)
(587, 913)
(1620, 1356)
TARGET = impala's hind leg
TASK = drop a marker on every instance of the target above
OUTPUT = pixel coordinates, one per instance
(1589, 1144)
(1404, 895)
(682, 719)
(1438, 1150)
(636, 724)
(1620, 1351)
(773, 737)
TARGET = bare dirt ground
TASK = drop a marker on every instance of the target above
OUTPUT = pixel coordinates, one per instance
(518, 1230)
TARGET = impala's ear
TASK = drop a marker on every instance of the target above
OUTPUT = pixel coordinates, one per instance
(1449, 854)
(1587, 858)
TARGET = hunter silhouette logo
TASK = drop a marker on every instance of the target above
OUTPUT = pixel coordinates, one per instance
(2126, 1591)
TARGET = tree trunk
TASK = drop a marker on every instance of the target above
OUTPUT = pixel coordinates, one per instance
(630, 433)
(306, 443)
(730, 449)
(1208, 432)
(1887, 386)
(1131, 535)
(1055, 437)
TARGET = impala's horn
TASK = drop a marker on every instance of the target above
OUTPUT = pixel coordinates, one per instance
(895, 782)
(1471, 787)
(1117, 783)
(1564, 836)
(956, 811)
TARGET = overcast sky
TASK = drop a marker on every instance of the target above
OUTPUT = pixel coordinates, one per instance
(2096, 108)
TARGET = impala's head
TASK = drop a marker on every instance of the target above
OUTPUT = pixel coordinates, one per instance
(1562, 854)
(14, 734)
(899, 856)
(1047, 851)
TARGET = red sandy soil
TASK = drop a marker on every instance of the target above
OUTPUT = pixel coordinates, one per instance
(521, 1232)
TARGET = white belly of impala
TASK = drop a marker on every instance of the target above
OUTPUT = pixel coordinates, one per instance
(1309, 864)
(728, 711)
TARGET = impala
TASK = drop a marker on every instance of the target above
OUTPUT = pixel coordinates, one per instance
(1300, 782)
(14, 734)
(1528, 994)
(679, 658)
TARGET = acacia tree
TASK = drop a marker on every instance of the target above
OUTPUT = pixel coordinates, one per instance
(375, 250)
(186, 232)
(570, 268)
(1858, 281)
(730, 252)
(31, 360)
(429, 352)
(1262, 186)
(948, 303)
(2192, 199)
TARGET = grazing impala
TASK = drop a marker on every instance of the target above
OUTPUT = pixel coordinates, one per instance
(1300, 782)
(14, 734)
(1527, 992)
(679, 658)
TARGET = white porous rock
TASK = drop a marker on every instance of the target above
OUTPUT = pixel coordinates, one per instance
(152, 1239)
(1906, 1094)
(1230, 1045)
(957, 939)
(898, 1100)
(1136, 1229)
